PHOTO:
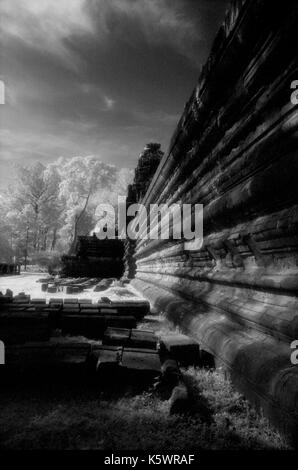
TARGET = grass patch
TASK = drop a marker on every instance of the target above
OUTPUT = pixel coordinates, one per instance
(52, 416)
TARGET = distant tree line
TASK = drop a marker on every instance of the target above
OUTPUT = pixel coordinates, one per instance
(49, 206)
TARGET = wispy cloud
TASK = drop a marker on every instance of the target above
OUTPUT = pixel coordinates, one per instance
(97, 91)
(109, 102)
(48, 24)
(99, 77)
(45, 24)
(160, 21)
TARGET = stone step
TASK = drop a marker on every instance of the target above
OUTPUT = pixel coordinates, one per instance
(87, 310)
(141, 364)
(56, 302)
(104, 357)
(116, 336)
(180, 347)
(143, 339)
(120, 321)
(38, 301)
(118, 363)
(131, 338)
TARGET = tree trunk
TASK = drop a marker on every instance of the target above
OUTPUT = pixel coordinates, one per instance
(75, 235)
(76, 224)
(45, 239)
(54, 239)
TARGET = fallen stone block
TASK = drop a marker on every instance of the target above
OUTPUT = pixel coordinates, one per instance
(21, 299)
(34, 308)
(120, 321)
(72, 354)
(94, 307)
(38, 301)
(102, 285)
(17, 307)
(207, 359)
(99, 288)
(76, 290)
(56, 303)
(116, 336)
(37, 304)
(179, 400)
(52, 289)
(44, 287)
(108, 310)
(106, 300)
(89, 311)
(71, 309)
(105, 353)
(105, 360)
(71, 301)
(143, 339)
(131, 338)
(141, 364)
(180, 347)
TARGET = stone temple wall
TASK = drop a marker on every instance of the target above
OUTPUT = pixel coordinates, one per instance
(235, 150)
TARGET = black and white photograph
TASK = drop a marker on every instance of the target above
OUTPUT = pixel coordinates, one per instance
(149, 229)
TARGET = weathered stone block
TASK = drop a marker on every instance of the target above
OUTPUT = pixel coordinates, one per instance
(143, 339)
(116, 336)
(141, 363)
(180, 347)
(52, 289)
(120, 321)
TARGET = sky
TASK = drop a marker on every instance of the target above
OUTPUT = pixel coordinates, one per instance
(98, 77)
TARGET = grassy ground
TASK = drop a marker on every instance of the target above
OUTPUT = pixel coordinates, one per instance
(77, 417)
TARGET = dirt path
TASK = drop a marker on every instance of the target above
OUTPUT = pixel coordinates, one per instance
(28, 283)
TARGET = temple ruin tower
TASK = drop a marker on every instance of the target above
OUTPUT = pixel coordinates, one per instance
(147, 165)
